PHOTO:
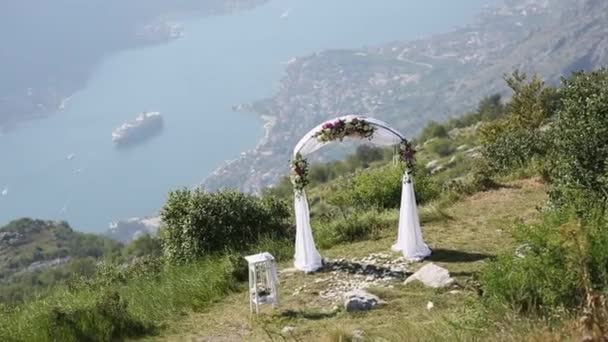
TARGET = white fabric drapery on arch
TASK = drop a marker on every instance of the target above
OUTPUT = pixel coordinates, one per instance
(409, 242)
(409, 235)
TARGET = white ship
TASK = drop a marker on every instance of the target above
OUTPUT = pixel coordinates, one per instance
(144, 126)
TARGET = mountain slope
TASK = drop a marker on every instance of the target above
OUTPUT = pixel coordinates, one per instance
(409, 83)
(28, 248)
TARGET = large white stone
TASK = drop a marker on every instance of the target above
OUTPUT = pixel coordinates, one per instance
(431, 275)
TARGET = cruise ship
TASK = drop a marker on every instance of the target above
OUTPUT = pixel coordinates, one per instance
(145, 125)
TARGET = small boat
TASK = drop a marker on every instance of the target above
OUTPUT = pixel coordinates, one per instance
(70, 156)
(4, 192)
(291, 61)
(285, 14)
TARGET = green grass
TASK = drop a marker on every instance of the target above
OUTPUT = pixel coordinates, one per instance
(463, 237)
(145, 304)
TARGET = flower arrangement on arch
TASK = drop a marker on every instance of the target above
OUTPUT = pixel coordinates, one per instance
(340, 129)
(299, 173)
(407, 154)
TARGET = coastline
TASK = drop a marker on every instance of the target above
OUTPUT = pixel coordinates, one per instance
(398, 81)
(269, 123)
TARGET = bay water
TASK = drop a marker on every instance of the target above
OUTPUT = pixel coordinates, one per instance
(65, 167)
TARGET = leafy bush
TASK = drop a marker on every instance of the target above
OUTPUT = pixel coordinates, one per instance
(381, 188)
(489, 109)
(433, 129)
(580, 154)
(196, 223)
(426, 187)
(145, 245)
(557, 262)
(518, 138)
(377, 188)
(516, 149)
(442, 147)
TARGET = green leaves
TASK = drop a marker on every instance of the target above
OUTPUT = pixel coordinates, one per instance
(580, 136)
(518, 137)
(197, 223)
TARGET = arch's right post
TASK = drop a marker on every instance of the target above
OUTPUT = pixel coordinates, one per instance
(409, 236)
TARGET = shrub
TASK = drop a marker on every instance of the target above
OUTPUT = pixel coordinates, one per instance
(580, 139)
(516, 149)
(426, 188)
(433, 130)
(144, 245)
(377, 188)
(442, 147)
(557, 263)
(518, 138)
(196, 223)
(381, 188)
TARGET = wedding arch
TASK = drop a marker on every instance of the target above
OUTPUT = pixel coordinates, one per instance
(409, 237)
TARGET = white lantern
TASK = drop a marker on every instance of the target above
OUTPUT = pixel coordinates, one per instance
(263, 281)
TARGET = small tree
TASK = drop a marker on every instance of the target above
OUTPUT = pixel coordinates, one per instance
(517, 137)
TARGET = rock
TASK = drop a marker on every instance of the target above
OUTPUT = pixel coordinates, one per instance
(432, 275)
(437, 169)
(360, 300)
(462, 147)
(430, 306)
(358, 335)
(472, 150)
(432, 164)
(288, 330)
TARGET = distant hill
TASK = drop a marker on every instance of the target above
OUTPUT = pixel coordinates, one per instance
(50, 48)
(30, 248)
(409, 83)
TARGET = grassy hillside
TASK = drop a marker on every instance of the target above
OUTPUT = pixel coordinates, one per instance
(478, 228)
(512, 198)
(36, 254)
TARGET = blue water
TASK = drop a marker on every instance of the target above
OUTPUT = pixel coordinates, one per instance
(193, 82)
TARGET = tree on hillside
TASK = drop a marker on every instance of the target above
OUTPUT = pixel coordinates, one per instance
(517, 137)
